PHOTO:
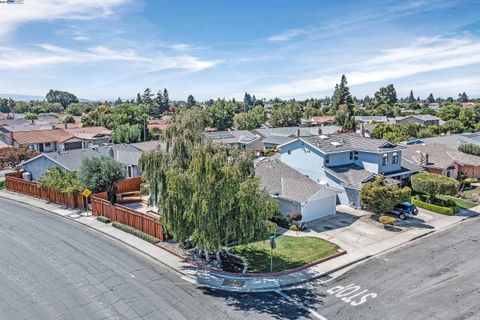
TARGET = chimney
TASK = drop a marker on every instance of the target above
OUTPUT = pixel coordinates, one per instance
(424, 159)
(66, 126)
(298, 132)
(111, 153)
(319, 130)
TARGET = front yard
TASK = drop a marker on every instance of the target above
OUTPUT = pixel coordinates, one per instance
(472, 194)
(461, 203)
(290, 252)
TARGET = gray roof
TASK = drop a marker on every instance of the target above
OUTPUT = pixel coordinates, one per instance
(277, 140)
(349, 142)
(439, 156)
(293, 131)
(351, 175)
(279, 179)
(149, 145)
(72, 159)
(454, 140)
(370, 118)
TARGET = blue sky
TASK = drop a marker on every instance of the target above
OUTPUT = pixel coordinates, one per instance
(271, 48)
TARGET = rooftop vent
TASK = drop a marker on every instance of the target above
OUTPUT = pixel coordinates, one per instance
(335, 143)
(323, 137)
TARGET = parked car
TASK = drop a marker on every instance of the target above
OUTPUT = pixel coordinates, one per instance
(405, 209)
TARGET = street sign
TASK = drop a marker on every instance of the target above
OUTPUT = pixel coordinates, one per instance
(86, 192)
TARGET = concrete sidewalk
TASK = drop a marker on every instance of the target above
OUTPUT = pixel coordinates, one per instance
(220, 281)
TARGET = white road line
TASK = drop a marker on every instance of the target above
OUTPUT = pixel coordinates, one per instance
(301, 305)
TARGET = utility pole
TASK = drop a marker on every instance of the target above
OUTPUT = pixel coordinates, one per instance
(144, 129)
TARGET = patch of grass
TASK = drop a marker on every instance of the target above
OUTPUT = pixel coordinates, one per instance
(103, 219)
(135, 232)
(291, 252)
(433, 207)
(2, 185)
(465, 204)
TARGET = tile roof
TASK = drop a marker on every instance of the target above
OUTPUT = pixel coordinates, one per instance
(279, 179)
(439, 156)
(349, 141)
(59, 135)
(351, 175)
(293, 131)
(323, 119)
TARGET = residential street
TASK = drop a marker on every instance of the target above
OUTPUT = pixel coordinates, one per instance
(54, 268)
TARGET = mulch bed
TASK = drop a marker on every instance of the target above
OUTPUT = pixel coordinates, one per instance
(372, 219)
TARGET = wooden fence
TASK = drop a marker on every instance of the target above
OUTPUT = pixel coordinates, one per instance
(143, 222)
(14, 183)
(128, 185)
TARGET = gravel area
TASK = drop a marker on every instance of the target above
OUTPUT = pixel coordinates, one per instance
(399, 225)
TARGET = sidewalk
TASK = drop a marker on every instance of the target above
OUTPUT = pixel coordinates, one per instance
(214, 280)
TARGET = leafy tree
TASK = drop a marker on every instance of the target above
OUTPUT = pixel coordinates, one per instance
(30, 116)
(453, 126)
(12, 157)
(247, 101)
(341, 95)
(127, 133)
(75, 109)
(69, 119)
(100, 174)
(468, 118)
(449, 112)
(430, 98)
(470, 148)
(221, 114)
(310, 112)
(191, 101)
(138, 100)
(286, 115)
(118, 101)
(344, 118)
(386, 95)
(64, 182)
(380, 197)
(390, 132)
(250, 120)
(462, 97)
(62, 97)
(433, 184)
(7, 105)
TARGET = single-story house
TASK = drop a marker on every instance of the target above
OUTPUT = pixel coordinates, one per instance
(370, 119)
(450, 140)
(70, 161)
(237, 139)
(294, 191)
(423, 119)
(442, 159)
(273, 137)
(322, 120)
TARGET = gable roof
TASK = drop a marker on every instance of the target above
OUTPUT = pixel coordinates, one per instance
(439, 156)
(351, 175)
(349, 142)
(59, 135)
(285, 182)
(293, 131)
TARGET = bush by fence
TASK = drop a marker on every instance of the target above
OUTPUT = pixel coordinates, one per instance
(115, 212)
(433, 207)
(135, 232)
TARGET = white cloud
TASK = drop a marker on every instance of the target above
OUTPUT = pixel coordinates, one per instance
(12, 58)
(11, 16)
(289, 34)
(424, 55)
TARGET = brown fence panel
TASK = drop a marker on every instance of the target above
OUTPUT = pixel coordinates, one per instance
(128, 185)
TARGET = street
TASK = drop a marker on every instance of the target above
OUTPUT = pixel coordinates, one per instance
(54, 268)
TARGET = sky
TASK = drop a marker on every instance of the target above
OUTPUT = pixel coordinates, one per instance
(104, 49)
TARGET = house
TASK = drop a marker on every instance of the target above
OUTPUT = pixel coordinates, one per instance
(346, 161)
(294, 191)
(273, 137)
(450, 140)
(58, 139)
(443, 159)
(322, 120)
(423, 119)
(237, 139)
(434, 106)
(70, 161)
(370, 119)
(468, 105)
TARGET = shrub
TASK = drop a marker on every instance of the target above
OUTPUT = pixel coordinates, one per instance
(100, 174)
(103, 219)
(432, 207)
(135, 232)
(379, 197)
(294, 227)
(387, 220)
(56, 179)
(2, 185)
(295, 216)
(433, 184)
(470, 148)
(469, 181)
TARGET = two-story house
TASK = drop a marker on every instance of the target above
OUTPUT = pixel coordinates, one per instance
(346, 161)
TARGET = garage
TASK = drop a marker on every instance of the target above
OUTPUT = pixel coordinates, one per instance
(319, 206)
(72, 145)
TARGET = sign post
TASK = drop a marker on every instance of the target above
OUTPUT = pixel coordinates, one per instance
(273, 245)
(86, 193)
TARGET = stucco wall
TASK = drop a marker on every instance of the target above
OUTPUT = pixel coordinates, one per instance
(39, 166)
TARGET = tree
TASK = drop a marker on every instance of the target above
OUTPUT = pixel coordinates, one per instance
(449, 112)
(430, 98)
(64, 182)
(468, 118)
(69, 119)
(100, 174)
(391, 132)
(462, 97)
(470, 148)
(127, 133)
(344, 118)
(286, 115)
(341, 95)
(30, 116)
(221, 114)
(380, 197)
(250, 120)
(118, 101)
(453, 126)
(139, 99)
(411, 97)
(12, 157)
(386, 95)
(247, 101)
(62, 97)
(7, 105)
(310, 112)
(433, 184)
(191, 101)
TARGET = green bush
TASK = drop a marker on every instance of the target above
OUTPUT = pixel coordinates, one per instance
(433, 207)
(470, 148)
(2, 185)
(469, 181)
(103, 219)
(433, 184)
(294, 227)
(135, 232)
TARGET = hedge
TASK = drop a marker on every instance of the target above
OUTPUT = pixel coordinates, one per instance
(135, 232)
(433, 207)
(469, 148)
(2, 185)
(103, 219)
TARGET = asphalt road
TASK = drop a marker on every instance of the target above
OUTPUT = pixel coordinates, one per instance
(54, 268)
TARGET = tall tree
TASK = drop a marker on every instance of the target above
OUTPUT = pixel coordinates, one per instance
(411, 97)
(191, 101)
(386, 95)
(341, 95)
(462, 97)
(430, 98)
(286, 115)
(247, 101)
(159, 108)
(221, 114)
(147, 97)
(62, 97)
(166, 100)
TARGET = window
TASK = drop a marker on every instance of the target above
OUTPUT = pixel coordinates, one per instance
(289, 151)
(395, 158)
(47, 144)
(327, 159)
(355, 155)
(384, 159)
(351, 155)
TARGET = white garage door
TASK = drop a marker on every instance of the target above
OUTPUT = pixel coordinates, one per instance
(319, 208)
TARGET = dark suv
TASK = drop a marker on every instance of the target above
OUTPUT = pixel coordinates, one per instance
(405, 209)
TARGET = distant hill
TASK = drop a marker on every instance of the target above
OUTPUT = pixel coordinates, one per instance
(20, 97)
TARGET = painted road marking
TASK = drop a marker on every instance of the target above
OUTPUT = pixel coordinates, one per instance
(301, 305)
(352, 294)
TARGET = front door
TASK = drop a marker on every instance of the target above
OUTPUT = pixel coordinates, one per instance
(40, 147)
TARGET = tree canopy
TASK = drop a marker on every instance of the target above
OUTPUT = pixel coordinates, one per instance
(220, 114)
(286, 115)
(100, 174)
(250, 120)
(433, 184)
(64, 182)
(62, 97)
(380, 197)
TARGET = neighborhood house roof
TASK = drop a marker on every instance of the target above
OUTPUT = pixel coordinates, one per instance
(234, 136)
(351, 174)
(371, 118)
(280, 180)
(349, 142)
(439, 156)
(293, 131)
(454, 140)
(323, 119)
(59, 135)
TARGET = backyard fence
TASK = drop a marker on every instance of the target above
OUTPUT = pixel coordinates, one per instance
(128, 185)
(14, 182)
(115, 212)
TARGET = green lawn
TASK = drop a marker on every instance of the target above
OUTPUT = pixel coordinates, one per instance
(2, 185)
(465, 204)
(291, 252)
